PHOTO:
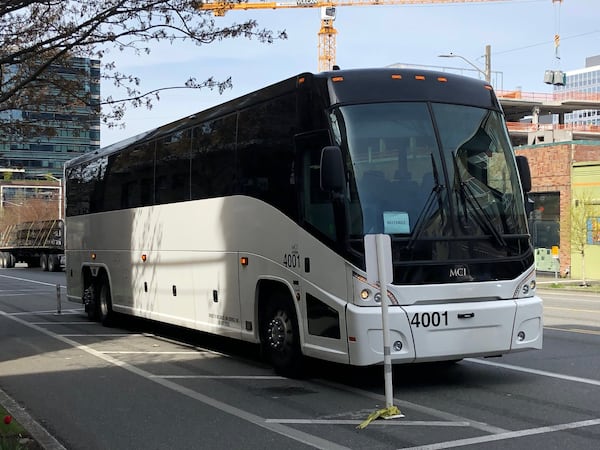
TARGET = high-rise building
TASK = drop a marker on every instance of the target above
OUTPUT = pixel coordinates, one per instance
(582, 82)
(74, 130)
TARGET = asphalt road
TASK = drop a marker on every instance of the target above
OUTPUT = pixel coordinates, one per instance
(143, 386)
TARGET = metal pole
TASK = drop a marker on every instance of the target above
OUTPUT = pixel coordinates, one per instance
(387, 356)
(58, 305)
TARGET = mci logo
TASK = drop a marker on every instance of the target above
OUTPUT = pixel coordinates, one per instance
(459, 272)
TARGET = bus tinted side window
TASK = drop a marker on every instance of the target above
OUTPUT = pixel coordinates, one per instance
(213, 158)
(130, 178)
(84, 185)
(265, 150)
(172, 174)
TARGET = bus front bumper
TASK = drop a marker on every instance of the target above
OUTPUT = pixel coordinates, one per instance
(420, 333)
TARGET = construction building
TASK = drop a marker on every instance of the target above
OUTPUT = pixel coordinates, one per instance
(559, 133)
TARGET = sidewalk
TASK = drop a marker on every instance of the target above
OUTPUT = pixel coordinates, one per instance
(547, 280)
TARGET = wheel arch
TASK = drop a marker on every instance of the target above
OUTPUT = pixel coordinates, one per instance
(93, 274)
(266, 289)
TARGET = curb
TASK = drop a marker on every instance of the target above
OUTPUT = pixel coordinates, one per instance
(38, 432)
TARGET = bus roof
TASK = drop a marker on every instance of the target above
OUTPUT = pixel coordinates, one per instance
(336, 88)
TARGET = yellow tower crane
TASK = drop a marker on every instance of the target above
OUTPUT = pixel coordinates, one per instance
(327, 32)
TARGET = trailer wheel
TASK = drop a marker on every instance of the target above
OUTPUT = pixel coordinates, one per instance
(105, 312)
(53, 265)
(44, 262)
(280, 337)
(3, 260)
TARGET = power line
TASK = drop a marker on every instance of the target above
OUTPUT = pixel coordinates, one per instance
(539, 44)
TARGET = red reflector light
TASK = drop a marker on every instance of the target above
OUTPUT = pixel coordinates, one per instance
(244, 260)
(352, 338)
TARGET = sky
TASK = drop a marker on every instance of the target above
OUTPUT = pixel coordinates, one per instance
(520, 33)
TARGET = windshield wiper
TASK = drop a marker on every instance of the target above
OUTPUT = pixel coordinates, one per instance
(480, 215)
(425, 212)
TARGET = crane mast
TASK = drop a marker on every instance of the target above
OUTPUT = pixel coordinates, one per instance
(327, 32)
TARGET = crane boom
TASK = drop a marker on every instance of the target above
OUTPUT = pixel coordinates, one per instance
(327, 32)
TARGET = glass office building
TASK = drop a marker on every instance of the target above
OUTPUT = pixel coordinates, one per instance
(74, 131)
(583, 82)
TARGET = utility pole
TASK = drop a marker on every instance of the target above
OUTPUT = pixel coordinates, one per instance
(488, 63)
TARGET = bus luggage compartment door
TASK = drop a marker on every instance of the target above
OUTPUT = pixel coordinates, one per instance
(462, 329)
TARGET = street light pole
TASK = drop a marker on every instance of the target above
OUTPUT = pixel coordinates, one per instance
(60, 193)
(487, 73)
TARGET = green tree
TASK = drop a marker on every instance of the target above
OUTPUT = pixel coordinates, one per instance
(36, 36)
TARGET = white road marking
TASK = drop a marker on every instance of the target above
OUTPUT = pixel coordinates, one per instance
(43, 283)
(109, 352)
(592, 311)
(404, 423)
(104, 335)
(85, 322)
(508, 435)
(574, 330)
(66, 312)
(536, 372)
(220, 377)
(451, 418)
(283, 430)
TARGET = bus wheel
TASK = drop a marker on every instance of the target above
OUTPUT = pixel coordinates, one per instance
(105, 312)
(89, 302)
(281, 339)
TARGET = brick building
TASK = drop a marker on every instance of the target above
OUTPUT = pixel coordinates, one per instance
(554, 167)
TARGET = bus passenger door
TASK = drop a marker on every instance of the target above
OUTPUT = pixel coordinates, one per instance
(323, 279)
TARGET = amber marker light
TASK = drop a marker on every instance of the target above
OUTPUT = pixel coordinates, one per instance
(93, 256)
(442, 79)
(396, 76)
(244, 260)
(301, 80)
(144, 257)
(420, 77)
(337, 79)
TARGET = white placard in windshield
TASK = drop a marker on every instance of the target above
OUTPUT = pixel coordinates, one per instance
(396, 222)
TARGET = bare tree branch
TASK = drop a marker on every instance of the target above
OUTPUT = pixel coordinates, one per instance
(37, 36)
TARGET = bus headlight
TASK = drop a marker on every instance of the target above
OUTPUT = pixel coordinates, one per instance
(365, 294)
(526, 288)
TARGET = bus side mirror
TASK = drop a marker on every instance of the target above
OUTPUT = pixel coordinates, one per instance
(333, 174)
(524, 173)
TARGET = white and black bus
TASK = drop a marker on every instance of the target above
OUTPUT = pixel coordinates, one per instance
(248, 220)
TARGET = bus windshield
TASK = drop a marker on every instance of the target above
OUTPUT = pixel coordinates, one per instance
(430, 171)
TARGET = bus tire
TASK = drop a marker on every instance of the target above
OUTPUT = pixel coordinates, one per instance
(89, 302)
(104, 300)
(44, 262)
(280, 337)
